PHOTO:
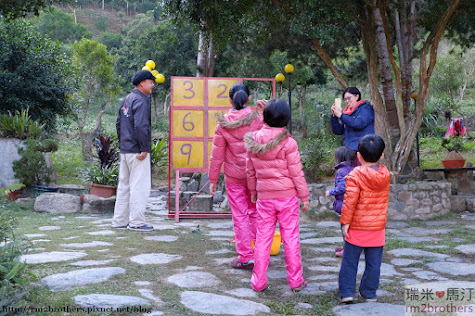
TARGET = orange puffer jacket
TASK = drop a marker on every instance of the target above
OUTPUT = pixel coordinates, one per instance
(228, 144)
(365, 204)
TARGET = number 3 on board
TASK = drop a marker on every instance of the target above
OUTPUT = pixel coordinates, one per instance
(188, 92)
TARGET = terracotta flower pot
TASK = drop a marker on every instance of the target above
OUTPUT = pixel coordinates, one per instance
(104, 191)
(453, 163)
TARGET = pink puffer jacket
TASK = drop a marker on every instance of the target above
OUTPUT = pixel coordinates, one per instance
(228, 145)
(273, 165)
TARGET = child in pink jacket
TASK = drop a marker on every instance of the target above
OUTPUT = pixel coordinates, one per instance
(275, 178)
(228, 148)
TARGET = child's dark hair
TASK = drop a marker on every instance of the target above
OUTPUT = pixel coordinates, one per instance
(237, 87)
(344, 153)
(371, 147)
(276, 113)
(240, 98)
(353, 91)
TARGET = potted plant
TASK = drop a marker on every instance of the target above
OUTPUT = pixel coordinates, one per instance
(453, 159)
(12, 191)
(105, 175)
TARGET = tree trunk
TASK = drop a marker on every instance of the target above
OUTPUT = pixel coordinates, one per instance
(206, 58)
(327, 60)
(302, 93)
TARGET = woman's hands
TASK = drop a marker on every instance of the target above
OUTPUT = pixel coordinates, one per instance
(336, 111)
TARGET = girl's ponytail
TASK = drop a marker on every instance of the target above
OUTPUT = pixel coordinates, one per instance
(240, 99)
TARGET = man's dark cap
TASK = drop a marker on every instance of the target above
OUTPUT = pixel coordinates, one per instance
(141, 76)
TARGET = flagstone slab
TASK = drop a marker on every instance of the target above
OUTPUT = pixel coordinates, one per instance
(165, 238)
(410, 252)
(403, 262)
(87, 244)
(396, 224)
(373, 309)
(135, 304)
(102, 232)
(440, 223)
(413, 239)
(307, 235)
(323, 277)
(218, 252)
(194, 279)
(54, 256)
(428, 275)
(329, 224)
(453, 268)
(418, 231)
(149, 294)
(436, 246)
(324, 240)
(243, 292)
(49, 228)
(466, 249)
(79, 278)
(154, 258)
(223, 233)
(226, 225)
(324, 268)
(385, 270)
(219, 304)
(86, 263)
(277, 274)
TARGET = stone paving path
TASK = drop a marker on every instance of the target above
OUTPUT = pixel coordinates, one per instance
(200, 286)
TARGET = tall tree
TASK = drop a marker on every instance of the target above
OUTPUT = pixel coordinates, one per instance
(34, 73)
(393, 32)
(96, 87)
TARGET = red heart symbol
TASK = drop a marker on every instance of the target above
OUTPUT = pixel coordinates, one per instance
(440, 294)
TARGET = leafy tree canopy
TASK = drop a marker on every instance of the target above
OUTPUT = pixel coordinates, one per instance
(12, 9)
(60, 26)
(33, 72)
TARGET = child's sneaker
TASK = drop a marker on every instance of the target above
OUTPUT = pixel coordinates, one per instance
(338, 248)
(347, 300)
(143, 228)
(236, 264)
(339, 254)
(300, 287)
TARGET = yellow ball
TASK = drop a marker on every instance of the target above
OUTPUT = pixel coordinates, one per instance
(151, 64)
(154, 73)
(279, 77)
(289, 68)
(160, 78)
(146, 68)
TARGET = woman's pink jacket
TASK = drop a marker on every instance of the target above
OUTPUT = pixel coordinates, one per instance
(273, 165)
(228, 144)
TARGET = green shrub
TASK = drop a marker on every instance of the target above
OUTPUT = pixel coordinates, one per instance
(31, 168)
(316, 156)
(14, 276)
(19, 125)
(159, 154)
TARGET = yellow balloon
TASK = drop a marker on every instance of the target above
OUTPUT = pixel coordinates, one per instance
(150, 64)
(279, 77)
(146, 68)
(160, 78)
(155, 73)
(289, 68)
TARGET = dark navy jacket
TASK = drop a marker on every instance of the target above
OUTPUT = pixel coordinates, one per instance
(354, 126)
(342, 170)
(134, 124)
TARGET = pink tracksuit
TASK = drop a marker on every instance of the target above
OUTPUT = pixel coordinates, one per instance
(228, 147)
(275, 175)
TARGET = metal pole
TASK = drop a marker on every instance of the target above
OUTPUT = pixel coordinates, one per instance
(290, 103)
(417, 138)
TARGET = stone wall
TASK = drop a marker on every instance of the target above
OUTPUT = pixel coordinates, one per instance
(8, 154)
(418, 200)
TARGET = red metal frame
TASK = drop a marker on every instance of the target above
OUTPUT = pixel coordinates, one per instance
(205, 139)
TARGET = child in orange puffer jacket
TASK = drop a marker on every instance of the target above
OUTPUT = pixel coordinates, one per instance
(363, 219)
(276, 181)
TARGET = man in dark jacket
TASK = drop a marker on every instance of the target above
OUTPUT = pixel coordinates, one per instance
(135, 141)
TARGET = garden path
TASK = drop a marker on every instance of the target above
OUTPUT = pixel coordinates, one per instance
(203, 284)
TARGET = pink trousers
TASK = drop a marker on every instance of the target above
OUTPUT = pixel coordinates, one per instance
(244, 219)
(286, 211)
